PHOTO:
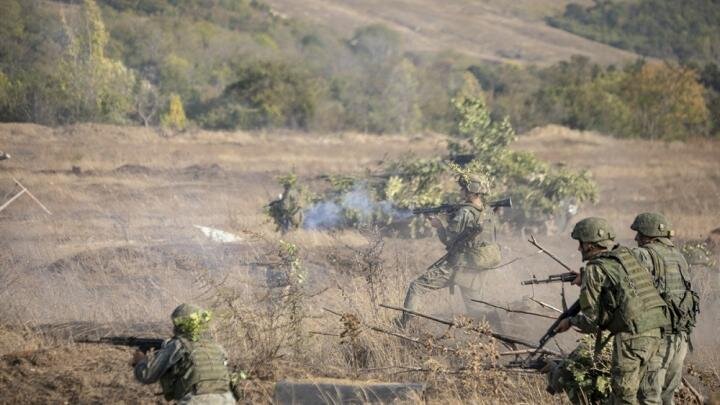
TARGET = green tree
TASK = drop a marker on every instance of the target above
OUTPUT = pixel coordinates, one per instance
(401, 111)
(266, 94)
(174, 118)
(95, 88)
(667, 101)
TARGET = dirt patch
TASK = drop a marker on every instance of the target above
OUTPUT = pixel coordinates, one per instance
(83, 374)
(197, 172)
(134, 170)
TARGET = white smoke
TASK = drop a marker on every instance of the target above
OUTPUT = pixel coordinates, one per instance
(355, 207)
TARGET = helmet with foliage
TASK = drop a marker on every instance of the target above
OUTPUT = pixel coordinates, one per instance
(653, 225)
(190, 320)
(288, 180)
(594, 230)
(475, 183)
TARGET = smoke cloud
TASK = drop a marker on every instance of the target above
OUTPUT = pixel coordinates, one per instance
(355, 207)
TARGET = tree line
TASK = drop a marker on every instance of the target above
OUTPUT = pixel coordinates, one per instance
(241, 65)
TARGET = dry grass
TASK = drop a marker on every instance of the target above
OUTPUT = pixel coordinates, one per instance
(121, 247)
(488, 29)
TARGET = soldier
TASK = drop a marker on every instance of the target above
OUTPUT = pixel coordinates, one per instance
(618, 295)
(286, 211)
(191, 368)
(469, 239)
(665, 261)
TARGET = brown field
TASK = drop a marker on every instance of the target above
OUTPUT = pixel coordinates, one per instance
(121, 250)
(491, 30)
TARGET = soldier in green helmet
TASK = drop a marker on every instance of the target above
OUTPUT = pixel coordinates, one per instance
(469, 238)
(191, 368)
(665, 261)
(618, 295)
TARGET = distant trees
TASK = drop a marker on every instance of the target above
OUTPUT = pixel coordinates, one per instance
(62, 82)
(266, 94)
(649, 100)
(681, 30)
(236, 64)
(92, 86)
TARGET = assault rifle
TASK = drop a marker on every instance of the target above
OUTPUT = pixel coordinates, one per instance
(143, 344)
(553, 278)
(569, 313)
(446, 208)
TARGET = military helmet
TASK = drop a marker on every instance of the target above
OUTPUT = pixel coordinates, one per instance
(593, 230)
(475, 183)
(184, 311)
(652, 224)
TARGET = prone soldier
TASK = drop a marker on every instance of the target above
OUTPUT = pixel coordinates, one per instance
(191, 368)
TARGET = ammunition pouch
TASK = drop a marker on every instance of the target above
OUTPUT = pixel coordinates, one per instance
(473, 262)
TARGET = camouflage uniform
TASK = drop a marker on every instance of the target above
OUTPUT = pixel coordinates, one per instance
(190, 371)
(659, 255)
(618, 295)
(470, 242)
(287, 210)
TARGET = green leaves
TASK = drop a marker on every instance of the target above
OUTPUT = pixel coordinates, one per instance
(194, 325)
(538, 189)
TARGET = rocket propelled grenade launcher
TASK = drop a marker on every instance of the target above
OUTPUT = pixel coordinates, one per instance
(444, 208)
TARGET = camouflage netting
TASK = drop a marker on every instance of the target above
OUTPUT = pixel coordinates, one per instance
(478, 145)
(582, 375)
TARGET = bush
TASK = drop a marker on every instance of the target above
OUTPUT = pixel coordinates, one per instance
(174, 118)
(266, 94)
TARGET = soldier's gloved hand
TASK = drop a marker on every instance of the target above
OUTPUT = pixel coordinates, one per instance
(138, 356)
(435, 222)
(578, 280)
(563, 326)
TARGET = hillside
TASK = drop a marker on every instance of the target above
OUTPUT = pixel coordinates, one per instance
(490, 30)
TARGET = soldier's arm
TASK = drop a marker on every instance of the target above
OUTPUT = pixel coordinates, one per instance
(593, 279)
(455, 228)
(149, 371)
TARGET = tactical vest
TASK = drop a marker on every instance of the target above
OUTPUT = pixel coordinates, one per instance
(671, 275)
(632, 304)
(201, 370)
(479, 251)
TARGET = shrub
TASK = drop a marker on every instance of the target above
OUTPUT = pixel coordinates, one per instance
(266, 94)
(174, 118)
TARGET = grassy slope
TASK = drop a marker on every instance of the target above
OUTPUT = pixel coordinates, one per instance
(491, 30)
